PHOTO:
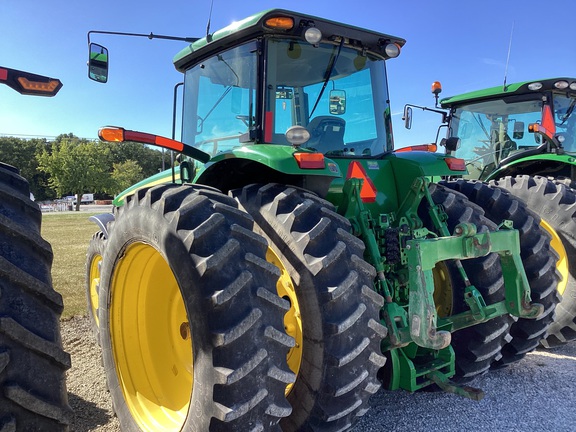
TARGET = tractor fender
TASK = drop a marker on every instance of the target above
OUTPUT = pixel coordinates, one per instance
(547, 165)
(267, 164)
(102, 220)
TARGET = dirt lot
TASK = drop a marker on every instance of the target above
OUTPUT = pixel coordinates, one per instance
(538, 393)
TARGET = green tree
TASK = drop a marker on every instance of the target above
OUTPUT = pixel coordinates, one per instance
(22, 153)
(149, 160)
(125, 174)
(76, 166)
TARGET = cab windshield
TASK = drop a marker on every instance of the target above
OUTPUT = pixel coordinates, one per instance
(490, 131)
(339, 94)
(493, 130)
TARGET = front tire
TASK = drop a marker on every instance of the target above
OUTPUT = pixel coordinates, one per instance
(190, 324)
(33, 364)
(341, 330)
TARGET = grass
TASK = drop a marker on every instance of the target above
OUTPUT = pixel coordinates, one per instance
(69, 235)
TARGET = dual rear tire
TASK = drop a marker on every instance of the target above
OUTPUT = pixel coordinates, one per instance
(210, 322)
(190, 323)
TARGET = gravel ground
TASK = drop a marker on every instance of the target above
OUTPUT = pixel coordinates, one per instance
(536, 394)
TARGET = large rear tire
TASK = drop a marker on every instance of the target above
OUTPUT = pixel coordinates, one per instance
(476, 347)
(341, 331)
(190, 323)
(33, 364)
(538, 258)
(555, 203)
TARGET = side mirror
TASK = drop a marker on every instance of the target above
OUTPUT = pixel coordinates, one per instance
(98, 63)
(407, 117)
(337, 102)
(518, 132)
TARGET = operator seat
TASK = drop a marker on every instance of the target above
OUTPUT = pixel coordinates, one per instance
(326, 133)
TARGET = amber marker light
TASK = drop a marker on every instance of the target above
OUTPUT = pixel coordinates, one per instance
(436, 87)
(279, 23)
(111, 134)
(118, 134)
(36, 86)
(27, 83)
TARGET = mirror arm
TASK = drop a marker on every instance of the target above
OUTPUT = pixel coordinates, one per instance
(442, 112)
(149, 36)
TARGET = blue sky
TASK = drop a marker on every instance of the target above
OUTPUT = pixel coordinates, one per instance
(463, 44)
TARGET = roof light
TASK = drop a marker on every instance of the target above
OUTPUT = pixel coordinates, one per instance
(436, 87)
(392, 50)
(573, 86)
(561, 85)
(535, 86)
(368, 191)
(297, 135)
(310, 160)
(279, 23)
(313, 35)
(455, 164)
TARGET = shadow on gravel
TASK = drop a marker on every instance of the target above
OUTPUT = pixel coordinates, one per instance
(87, 415)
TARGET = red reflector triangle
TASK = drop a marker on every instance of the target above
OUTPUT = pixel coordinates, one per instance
(548, 120)
(368, 191)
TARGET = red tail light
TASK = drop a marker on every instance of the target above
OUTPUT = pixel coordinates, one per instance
(456, 164)
(310, 160)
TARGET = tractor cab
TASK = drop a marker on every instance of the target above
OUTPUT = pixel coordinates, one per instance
(290, 80)
(499, 126)
(284, 78)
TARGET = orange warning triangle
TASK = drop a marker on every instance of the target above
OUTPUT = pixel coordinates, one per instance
(368, 191)
(548, 120)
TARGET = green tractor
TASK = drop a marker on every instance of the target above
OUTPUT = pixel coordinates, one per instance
(292, 261)
(33, 363)
(522, 137)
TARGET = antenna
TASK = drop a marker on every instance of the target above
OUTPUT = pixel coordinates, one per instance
(209, 18)
(508, 56)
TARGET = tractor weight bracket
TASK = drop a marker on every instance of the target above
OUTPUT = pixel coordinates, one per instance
(423, 254)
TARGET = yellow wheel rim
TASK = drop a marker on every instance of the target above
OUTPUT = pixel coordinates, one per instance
(562, 264)
(94, 278)
(151, 341)
(443, 292)
(292, 319)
